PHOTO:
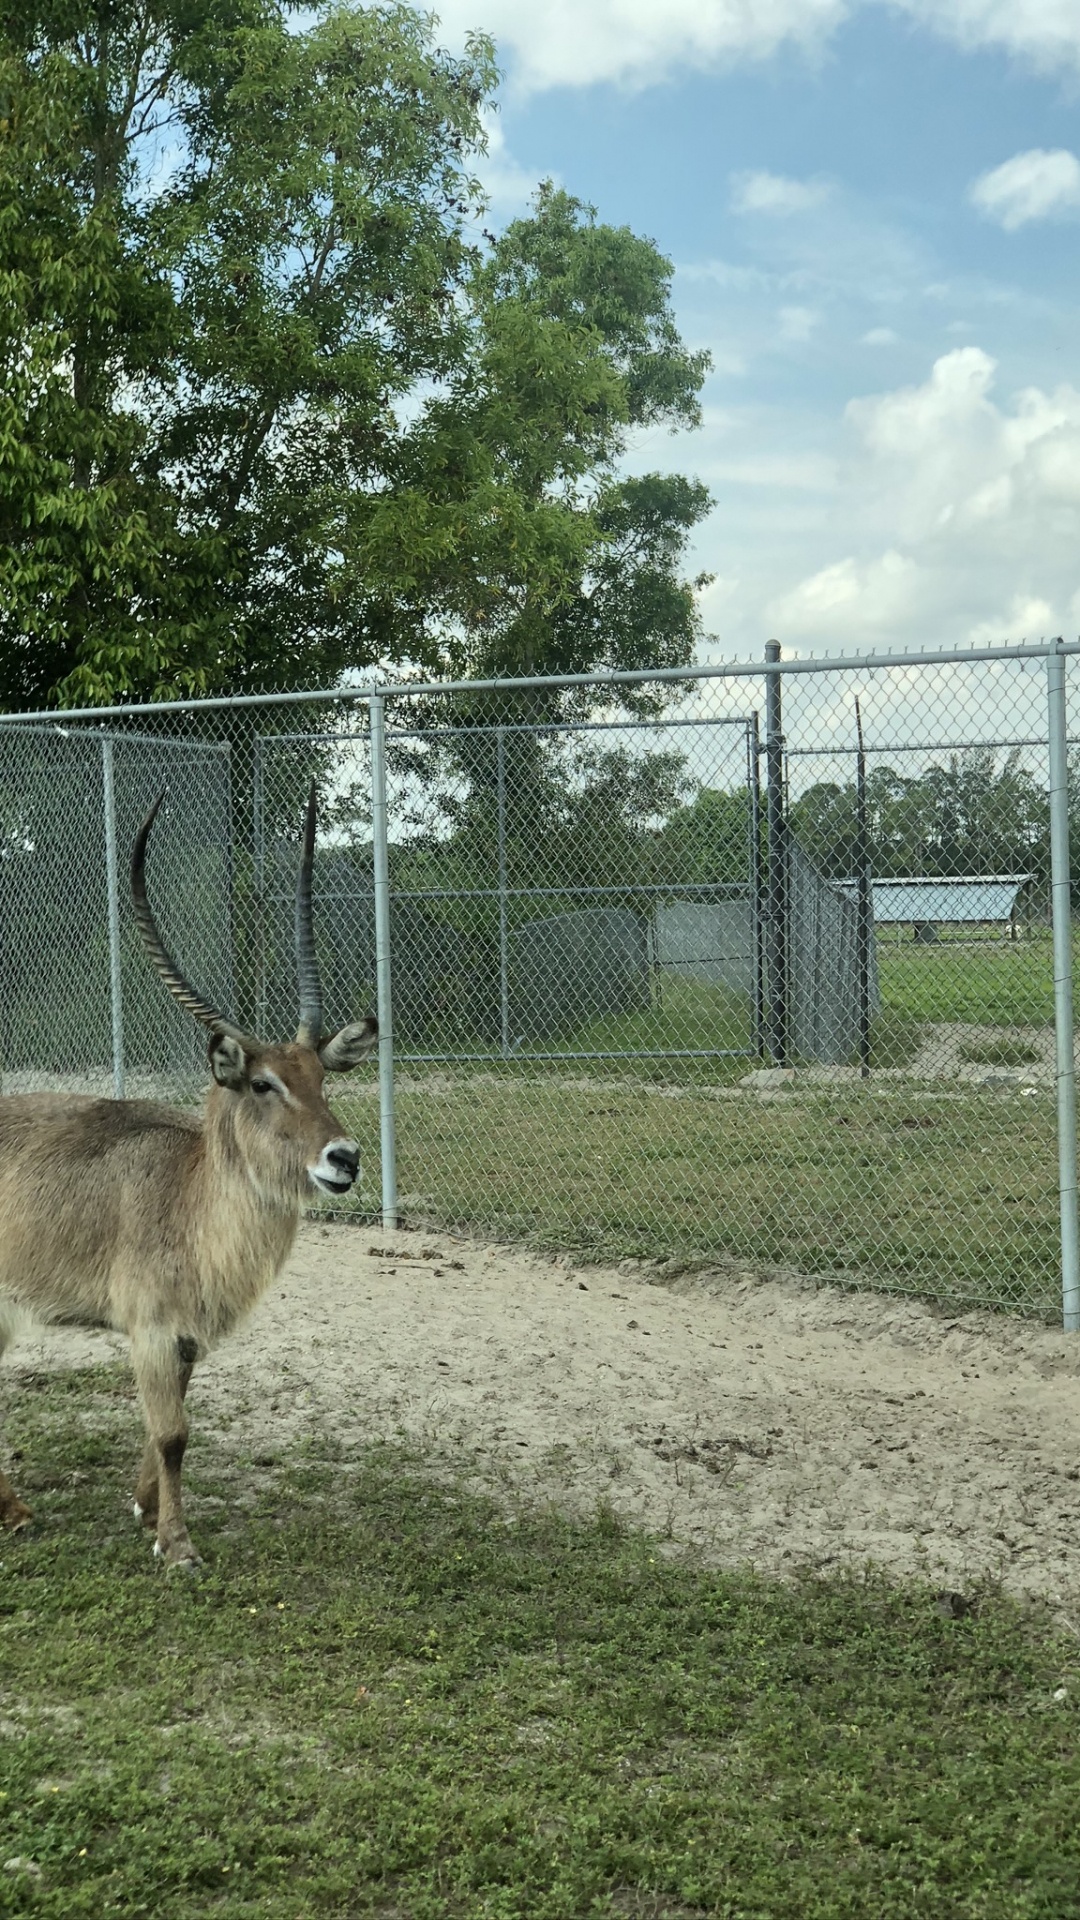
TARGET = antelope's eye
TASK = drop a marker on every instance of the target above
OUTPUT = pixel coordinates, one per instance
(262, 1086)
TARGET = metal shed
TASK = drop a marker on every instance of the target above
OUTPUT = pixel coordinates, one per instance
(925, 904)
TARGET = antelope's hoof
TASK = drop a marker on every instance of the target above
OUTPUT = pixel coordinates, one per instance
(146, 1516)
(14, 1515)
(179, 1556)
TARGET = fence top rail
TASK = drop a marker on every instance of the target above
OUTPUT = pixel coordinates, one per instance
(646, 676)
(649, 722)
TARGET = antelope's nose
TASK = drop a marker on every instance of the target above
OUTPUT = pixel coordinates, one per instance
(345, 1160)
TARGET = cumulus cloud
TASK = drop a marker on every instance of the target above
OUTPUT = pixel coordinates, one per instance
(797, 324)
(1037, 185)
(634, 43)
(851, 599)
(509, 186)
(773, 193)
(955, 518)
(1044, 33)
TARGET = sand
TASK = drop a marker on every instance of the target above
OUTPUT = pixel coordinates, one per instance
(763, 1421)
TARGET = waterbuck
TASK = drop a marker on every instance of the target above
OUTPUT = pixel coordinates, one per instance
(168, 1225)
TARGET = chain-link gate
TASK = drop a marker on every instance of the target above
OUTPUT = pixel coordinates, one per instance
(741, 965)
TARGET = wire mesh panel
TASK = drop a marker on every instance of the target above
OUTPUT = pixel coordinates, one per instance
(79, 1008)
(554, 850)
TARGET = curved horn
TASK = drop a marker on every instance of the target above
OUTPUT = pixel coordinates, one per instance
(309, 1032)
(160, 957)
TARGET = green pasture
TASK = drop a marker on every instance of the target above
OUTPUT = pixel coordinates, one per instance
(950, 1197)
(387, 1697)
(979, 982)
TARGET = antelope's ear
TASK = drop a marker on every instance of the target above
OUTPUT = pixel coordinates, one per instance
(228, 1061)
(350, 1046)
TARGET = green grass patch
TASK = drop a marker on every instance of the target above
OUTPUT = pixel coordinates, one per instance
(895, 1038)
(684, 1018)
(952, 1198)
(385, 1698)
(998, 1053)
(990, 983)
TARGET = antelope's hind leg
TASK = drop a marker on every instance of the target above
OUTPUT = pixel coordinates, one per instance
(163, 1367)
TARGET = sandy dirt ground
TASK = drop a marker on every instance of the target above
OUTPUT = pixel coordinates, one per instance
(763, 1421)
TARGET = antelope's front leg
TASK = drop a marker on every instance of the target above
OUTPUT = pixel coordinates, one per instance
(163, 1366)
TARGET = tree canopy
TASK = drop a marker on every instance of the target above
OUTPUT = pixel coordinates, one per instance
(271, 407)
(973, 815)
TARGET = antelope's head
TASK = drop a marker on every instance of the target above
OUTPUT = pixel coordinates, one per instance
(273, 1095)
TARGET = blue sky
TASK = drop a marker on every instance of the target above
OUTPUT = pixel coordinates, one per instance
(874, 215)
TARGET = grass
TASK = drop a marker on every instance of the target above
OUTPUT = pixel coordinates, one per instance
(998, 1053)
(386, 1698)
(953, 1198)
(993, 983)
(951, 1194)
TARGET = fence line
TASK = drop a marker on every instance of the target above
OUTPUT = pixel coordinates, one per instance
(584, 935)
(533, 683)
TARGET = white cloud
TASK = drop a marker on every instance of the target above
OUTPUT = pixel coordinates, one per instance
(1037, 185)
(911, 420)
(850, 600)
(1026, 618)
(510, 186)
(1045, 33)
(954, 517)
(773, 193)
(635, 43)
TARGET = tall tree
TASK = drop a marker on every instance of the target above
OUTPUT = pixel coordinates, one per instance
(270, 408)
(531, 550)
(227, 249)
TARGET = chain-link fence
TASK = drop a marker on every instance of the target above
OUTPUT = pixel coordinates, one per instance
(755, 965)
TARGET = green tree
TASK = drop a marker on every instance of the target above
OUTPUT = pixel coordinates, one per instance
(707, 841)
(971, 816)
(228, 251)
(268, 410)
(531, 551)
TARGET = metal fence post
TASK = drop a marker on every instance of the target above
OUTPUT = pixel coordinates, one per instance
(384, 1004)
(1061, 895)
(258, 829)
(504, 983)
(776, 955)
(864, 899)
(753, 775)
(116, 989)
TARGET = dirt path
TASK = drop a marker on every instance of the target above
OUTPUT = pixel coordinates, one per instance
(764, 1421)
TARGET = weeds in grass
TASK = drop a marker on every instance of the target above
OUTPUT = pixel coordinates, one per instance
(386, 1698)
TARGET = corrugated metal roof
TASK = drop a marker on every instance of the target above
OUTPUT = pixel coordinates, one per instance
(955, 901)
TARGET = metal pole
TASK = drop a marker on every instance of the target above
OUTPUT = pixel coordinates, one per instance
(258, 822)
(504, 984)
(116, 989)
(863, 924)
(753, 750)
(1060, 885)
(380, 851)
(776, 955)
